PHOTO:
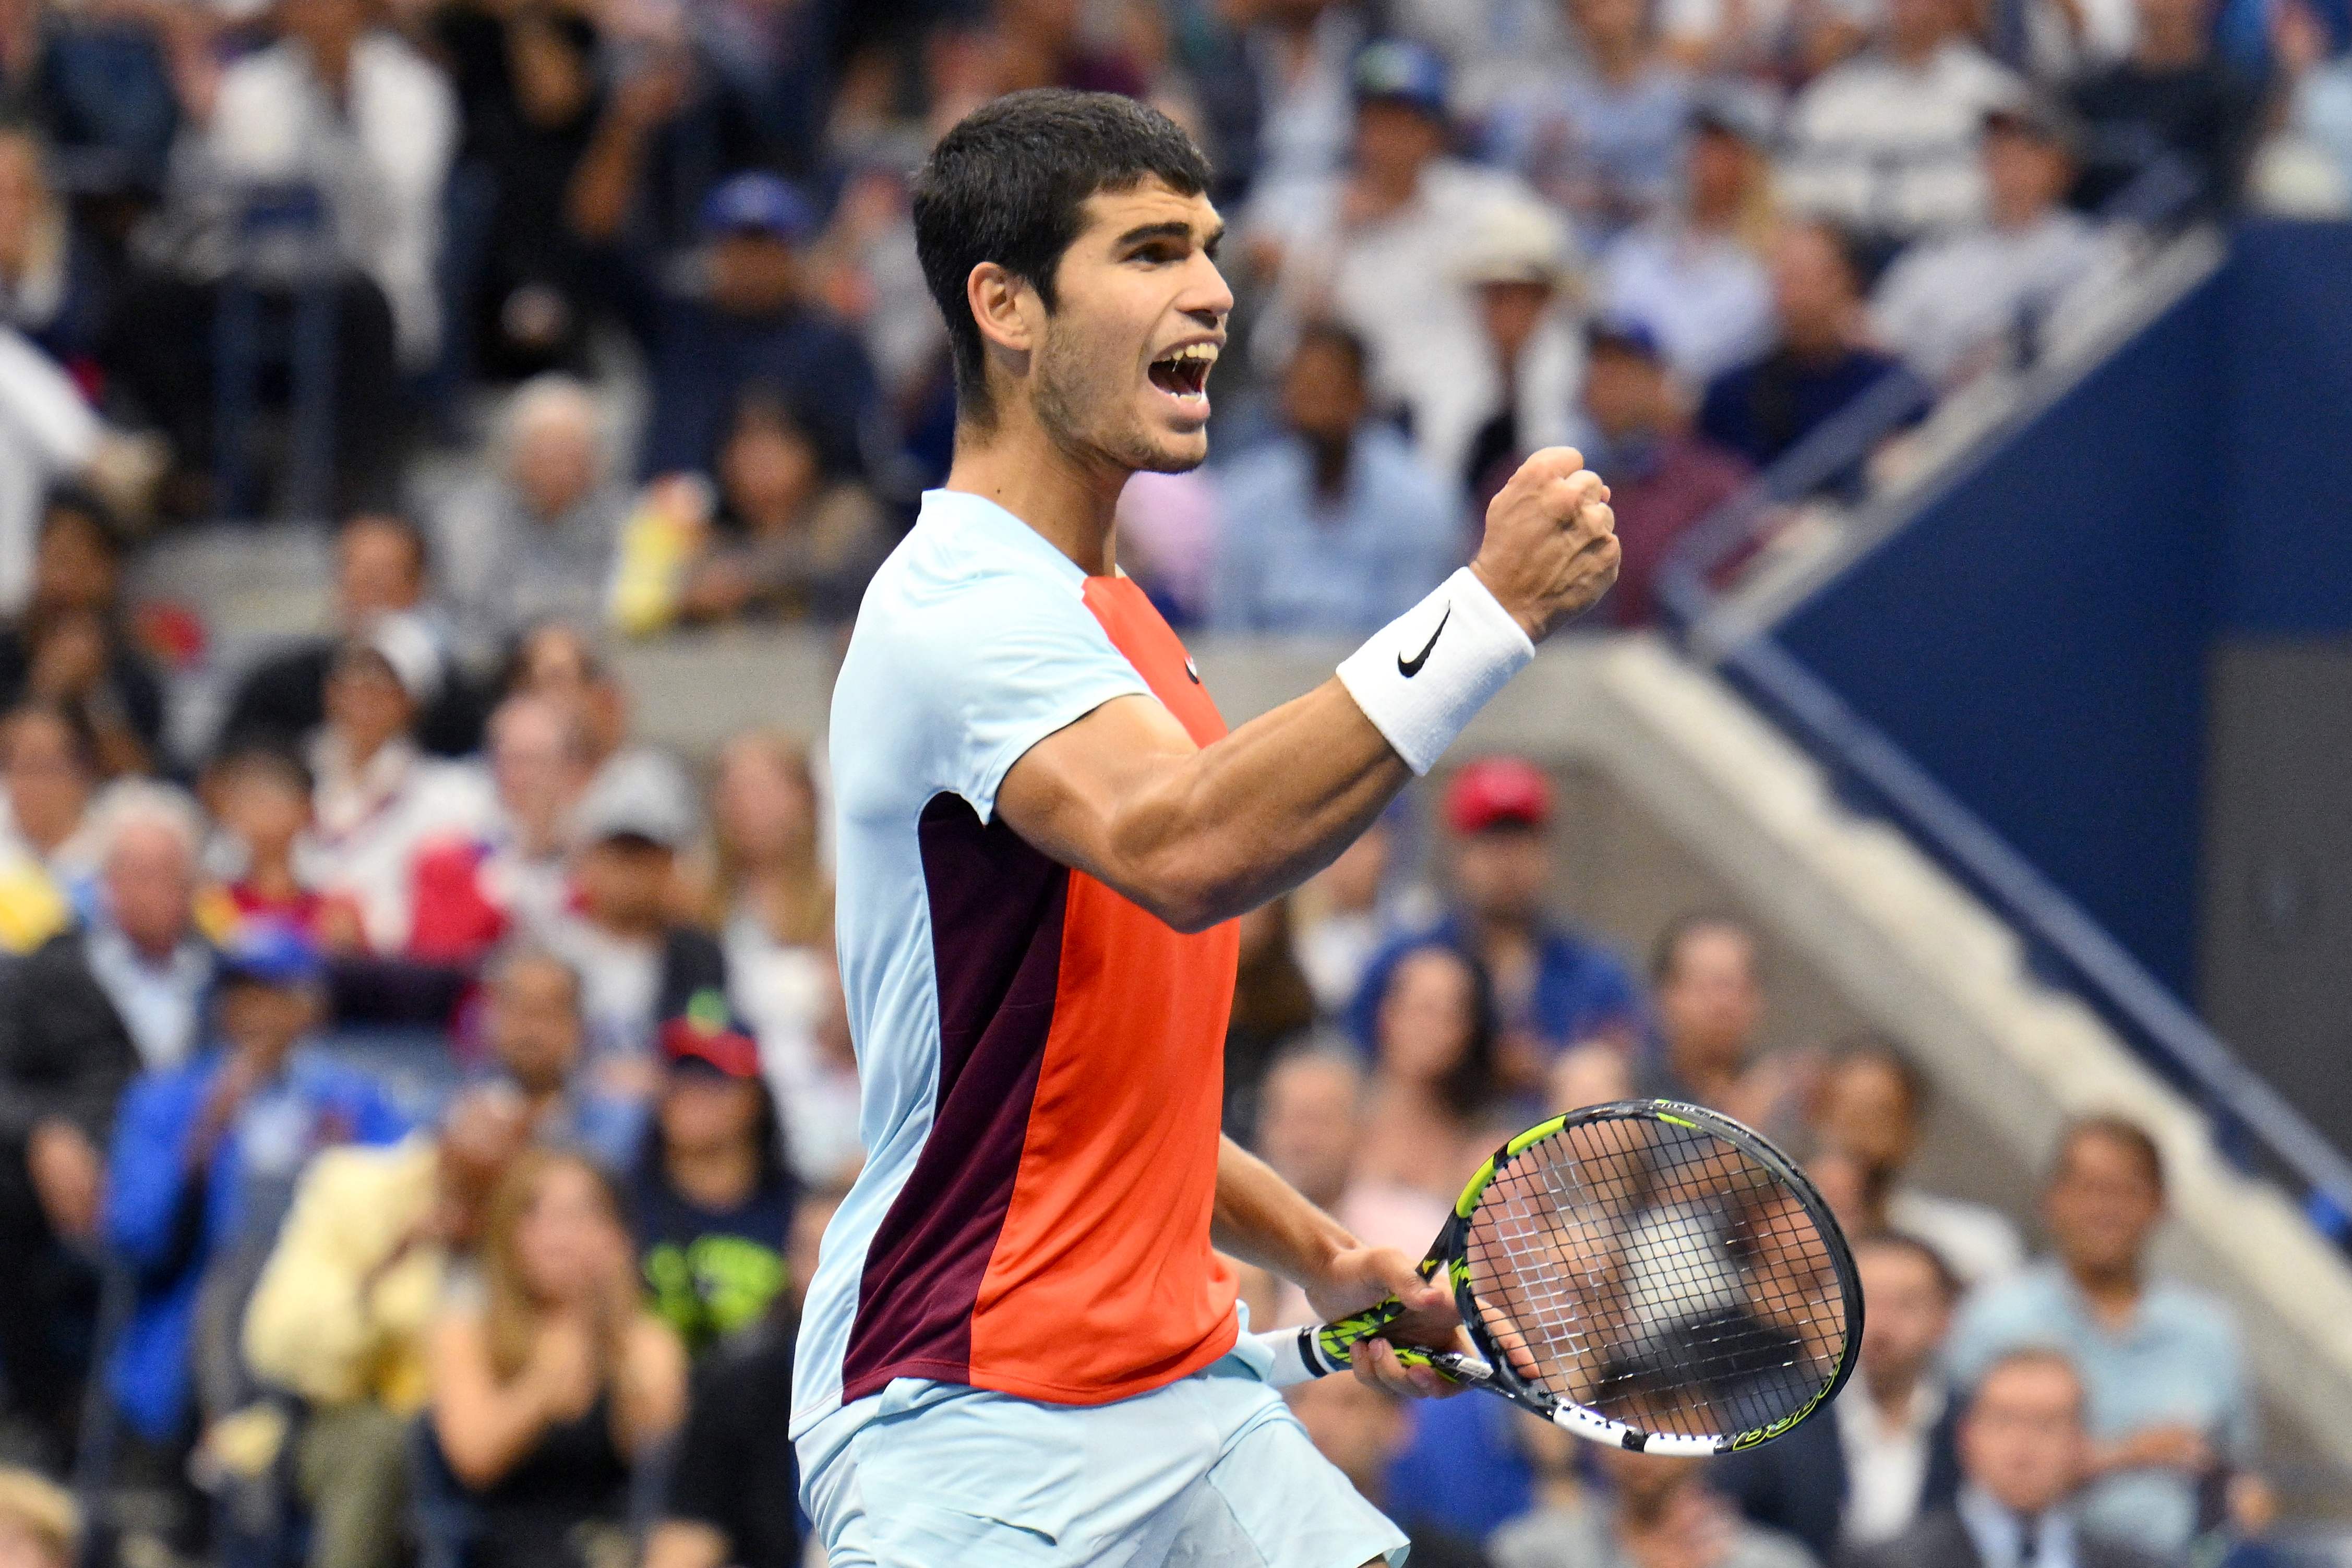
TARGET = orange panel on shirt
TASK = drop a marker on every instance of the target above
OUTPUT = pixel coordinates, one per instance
(1102, 1283)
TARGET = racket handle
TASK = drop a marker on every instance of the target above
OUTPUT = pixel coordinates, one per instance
(1294, 1362)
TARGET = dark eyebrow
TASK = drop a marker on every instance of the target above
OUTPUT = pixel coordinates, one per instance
(1174, 228)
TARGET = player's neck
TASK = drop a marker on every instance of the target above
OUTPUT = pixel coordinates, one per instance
(1069, 500)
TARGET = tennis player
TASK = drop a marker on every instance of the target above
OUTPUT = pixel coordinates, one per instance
(1019, 1346)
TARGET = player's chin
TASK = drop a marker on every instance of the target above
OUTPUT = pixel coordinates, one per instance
(1170, 451)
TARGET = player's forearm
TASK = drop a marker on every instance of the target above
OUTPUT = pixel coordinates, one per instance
(1261, 1218)
(1260, 811)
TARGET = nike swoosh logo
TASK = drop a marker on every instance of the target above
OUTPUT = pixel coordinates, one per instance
(1191, 669)
(1411, 667)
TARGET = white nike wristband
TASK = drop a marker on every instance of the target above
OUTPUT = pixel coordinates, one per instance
(1422, 676)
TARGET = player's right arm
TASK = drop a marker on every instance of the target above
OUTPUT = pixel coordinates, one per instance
(1198, 835)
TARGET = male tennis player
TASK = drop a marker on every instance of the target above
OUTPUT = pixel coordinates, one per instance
(1019, 1347)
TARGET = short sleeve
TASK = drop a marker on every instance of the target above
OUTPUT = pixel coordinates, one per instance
(1007, 660)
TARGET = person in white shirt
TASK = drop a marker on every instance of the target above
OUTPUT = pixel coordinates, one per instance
(379, 800)
(1694, 274)
(1886, 144)
(1870, 1104)
(1956, 306)
(1380, 249)
(365, 118)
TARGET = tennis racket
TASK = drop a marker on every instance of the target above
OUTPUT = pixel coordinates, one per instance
(1646, 1275)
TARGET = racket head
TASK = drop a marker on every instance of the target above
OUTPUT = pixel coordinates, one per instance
(1655, 1276)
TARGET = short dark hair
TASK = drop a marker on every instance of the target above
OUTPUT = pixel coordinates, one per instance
(1667, 955)
(1322, 332)
(264, 760)
(1948, 1283)
(1008, 185)
(2133, 1138)
(1873, 1050)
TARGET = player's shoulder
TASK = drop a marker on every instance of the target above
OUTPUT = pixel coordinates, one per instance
(967, 567)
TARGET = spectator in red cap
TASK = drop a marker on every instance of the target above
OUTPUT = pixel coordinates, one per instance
(1554, 987)
(714, 1199)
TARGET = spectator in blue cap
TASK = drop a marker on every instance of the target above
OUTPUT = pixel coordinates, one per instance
(1663, 477)
(746, 319)
(205, 1161)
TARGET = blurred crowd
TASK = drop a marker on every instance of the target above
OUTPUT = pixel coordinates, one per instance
(419, 1098)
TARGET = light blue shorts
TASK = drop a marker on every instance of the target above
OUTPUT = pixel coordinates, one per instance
(1210, 1471)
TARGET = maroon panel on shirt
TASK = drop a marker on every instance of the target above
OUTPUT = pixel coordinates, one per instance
(996, 910)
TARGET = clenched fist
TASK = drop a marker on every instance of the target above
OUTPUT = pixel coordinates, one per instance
(1551, 549)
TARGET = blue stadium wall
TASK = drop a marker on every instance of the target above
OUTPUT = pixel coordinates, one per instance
(2125, 639)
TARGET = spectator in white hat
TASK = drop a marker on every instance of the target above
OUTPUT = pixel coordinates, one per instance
(1520, 268)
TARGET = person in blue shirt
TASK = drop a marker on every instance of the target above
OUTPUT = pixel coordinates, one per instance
(1554, 987)
(749, 324)
(206, 1156)
(2169, 1404)
(1330, 527)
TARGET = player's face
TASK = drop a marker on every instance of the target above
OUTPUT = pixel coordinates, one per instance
(1138, 319)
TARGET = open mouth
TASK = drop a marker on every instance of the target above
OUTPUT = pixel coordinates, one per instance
(1185, 372)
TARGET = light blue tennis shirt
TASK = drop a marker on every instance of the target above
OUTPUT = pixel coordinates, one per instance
(2179, 1361)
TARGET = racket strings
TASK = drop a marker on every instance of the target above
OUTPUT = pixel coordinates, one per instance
(1659, 1274)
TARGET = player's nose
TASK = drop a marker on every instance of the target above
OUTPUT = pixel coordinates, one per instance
(1207, 297)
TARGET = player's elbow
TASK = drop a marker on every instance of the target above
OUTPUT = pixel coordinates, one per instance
(1190, 895)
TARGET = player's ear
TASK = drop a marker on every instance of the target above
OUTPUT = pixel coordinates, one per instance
(1002, 304)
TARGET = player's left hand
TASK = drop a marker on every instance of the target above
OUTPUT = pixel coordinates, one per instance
(1361, 1276)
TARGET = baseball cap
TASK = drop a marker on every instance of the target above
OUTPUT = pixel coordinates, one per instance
(709, 1036)
(1397, 70)
(1625, 334)
(637, 795)
(2036, 116)
(271, 953)
(1517, 242)
(1497, 792)
(760, 204)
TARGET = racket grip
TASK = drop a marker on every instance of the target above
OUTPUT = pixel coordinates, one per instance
(1293, 1361)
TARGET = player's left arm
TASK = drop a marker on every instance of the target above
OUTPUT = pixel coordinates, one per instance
(1261, 1218)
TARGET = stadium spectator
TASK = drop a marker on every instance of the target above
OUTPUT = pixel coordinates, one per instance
(1519, 265)
(795, 539)
(1871, 1104)
(2023, 1454)
(77, 1019)
(1817, 365)
(531, 1021)
(261, 799)
(1348, 912)
(534, 539)
(1707, 987)
(640, 965)
(51, 282)
(752, 324)
(2319, 106)
(1886, 1454)
(40, 1526)
(1982, 295)
(1433, 1092)
(531, 100)
(1328, 527)
(375, 1240)
(72, 644)
(1310, 1128)
(1274, 1007)
(2173, 101)
(512, 878)
(2162, 1365)
(713, 1195)
(1663, 478)
(1601, 142)
(1362, 1429)
(49, 863)
(381, 574)
(1886, 144)
(1694, 272)
(1592, 1075)
(1655, 1511)
(206, 1157)
(50, 437)
(734, 1486)
(548, 1393)
(1379, 248)
(379, 799)
(561, 663)
(1553, 987)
